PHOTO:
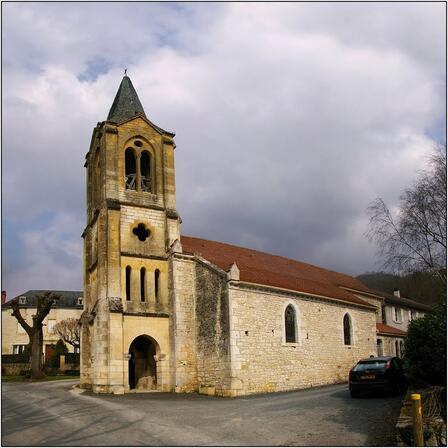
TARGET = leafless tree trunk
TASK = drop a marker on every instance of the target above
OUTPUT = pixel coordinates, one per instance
(35, 334)
(415, 240)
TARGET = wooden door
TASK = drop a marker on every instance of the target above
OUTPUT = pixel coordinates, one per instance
(49, 350)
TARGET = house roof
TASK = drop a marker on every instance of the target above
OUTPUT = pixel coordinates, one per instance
(273, 270)
(394, 300)
(68, 299)
(387, 329)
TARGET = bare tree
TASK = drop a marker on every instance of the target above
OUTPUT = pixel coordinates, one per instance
(415, 240)
(69, 331)
(35, 334)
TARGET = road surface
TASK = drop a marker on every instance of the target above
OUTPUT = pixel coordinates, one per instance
(55, 414)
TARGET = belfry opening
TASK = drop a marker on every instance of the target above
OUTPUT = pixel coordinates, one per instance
(142, 364)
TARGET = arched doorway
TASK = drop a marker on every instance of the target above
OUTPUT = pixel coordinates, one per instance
(142, 365)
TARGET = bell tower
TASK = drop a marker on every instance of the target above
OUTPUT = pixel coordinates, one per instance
(131, 223)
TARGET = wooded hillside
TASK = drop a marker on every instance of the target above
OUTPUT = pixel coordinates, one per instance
(420, 287)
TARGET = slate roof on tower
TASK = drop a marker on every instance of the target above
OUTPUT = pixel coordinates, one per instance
(126, 104)
(273, 270)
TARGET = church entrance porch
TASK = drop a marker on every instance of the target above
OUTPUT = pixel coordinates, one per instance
(142, 364)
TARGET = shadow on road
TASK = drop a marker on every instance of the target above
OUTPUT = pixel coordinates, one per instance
(372, 414)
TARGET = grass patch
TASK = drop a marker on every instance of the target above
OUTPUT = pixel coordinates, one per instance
(22, 379)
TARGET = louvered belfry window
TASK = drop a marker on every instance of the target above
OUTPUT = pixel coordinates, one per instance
(130, 170)
(290, 324)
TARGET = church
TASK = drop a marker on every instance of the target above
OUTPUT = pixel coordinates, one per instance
(168, 312)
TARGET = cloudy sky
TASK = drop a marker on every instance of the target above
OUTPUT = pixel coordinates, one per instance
(290, 119)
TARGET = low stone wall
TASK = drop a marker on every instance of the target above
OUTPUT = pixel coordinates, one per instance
(15, 364)
(68, 362)
(15, 368)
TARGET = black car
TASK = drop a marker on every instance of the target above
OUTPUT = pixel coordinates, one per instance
(380, 373)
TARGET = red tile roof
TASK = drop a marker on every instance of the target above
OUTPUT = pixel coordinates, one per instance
(383, 328)
(273, 270)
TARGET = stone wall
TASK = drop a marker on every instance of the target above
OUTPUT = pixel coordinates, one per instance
(151, 302)
(154, 220)
(377, 303)
(212, 328)
(15, 368)
(263, 362)
(389, 348)
(182, 327)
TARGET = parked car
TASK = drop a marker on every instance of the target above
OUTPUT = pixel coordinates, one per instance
(377, 373)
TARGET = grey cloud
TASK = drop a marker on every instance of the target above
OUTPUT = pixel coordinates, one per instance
(290, 118)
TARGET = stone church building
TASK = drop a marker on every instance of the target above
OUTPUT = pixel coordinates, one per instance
(174, 313)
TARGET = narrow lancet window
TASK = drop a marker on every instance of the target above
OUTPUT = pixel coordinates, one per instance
(347, 330)
(130, 170)
(145, 170)
(290, 324)
(128, 283)
(156, 284)
(142, 284)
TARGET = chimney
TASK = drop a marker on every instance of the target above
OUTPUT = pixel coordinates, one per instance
(396, 292)
(3, 297)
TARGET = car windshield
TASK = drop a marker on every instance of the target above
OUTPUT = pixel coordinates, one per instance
(370, 365)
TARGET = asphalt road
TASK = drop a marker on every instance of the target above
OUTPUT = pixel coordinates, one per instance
(54, 414)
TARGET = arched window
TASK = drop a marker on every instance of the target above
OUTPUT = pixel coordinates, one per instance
(128, 283)
(145, 171)
(347, 330)
(156, 284)
(290, 324)
(130, 169)
(142, 284)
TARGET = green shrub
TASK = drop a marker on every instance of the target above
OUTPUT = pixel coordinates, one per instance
(59, 349)
(16, 359)
(425, 349)
(72, 358)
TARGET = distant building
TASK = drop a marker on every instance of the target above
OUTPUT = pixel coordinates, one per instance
(175, 313)
(14, 337)
(396, 314)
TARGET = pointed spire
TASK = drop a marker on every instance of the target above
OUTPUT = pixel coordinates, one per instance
(126, 104)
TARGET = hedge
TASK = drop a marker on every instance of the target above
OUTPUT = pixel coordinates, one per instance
(15, 359)
(72, 358)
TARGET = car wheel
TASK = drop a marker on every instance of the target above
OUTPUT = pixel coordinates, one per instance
(354, 394)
